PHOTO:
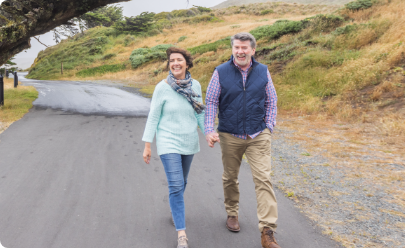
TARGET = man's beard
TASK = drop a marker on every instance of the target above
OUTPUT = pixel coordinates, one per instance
(243, 63)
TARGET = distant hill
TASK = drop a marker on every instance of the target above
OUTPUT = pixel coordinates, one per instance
(230, 3)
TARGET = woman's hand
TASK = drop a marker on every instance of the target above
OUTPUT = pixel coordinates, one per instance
(147, 153)
(212, 138)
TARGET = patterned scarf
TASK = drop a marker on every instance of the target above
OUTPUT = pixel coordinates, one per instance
(183, 87)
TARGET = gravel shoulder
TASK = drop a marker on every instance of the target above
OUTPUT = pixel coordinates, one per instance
(349, 207)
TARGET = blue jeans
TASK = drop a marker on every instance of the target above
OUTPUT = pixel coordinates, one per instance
(177, 167)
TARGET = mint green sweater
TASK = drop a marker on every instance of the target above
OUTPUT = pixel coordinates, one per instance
(174, 121)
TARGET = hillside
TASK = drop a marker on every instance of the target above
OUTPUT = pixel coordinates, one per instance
(230, 3)
(339, 73)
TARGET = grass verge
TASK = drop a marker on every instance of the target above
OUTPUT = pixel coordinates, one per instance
(17, 102)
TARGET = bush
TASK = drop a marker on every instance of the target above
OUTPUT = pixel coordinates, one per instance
(128, 40)
(183, 13)
(203, 18)
(109, 56)
(323, 23)
(266, 11)
(202, 9)
(162, 15)
(345, 30)
(278, 29)
(101, 70)
(182, 38)
(226, 43)
(141, 56)
(359, 5)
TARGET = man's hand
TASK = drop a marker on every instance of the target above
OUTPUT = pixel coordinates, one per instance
(211, 138)
(147, 153)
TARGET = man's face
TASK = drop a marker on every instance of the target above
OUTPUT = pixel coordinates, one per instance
(242, 52)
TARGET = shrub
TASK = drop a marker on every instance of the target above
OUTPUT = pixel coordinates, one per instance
(183, 13)
(100, 70)
(323, 23)
(359, 5)
(202, 9)
(278, 29)
(95, 50)
(226, 42)
(266, 11)
(162, 15)
(182, 38)
(345, 30)
(163, 23)
(128, 39)
(109, 56)
(203, 18)
(143, 55)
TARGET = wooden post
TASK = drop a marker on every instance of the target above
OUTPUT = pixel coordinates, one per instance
(61, 68)
(15, 80)
(1, 91)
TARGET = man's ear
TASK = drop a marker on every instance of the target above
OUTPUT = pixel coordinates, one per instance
(254, 51)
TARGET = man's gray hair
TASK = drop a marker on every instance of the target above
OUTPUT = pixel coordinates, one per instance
(244, 37)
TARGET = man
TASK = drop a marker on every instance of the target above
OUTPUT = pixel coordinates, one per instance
(244, 93)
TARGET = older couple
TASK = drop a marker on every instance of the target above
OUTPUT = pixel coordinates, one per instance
(243, 92)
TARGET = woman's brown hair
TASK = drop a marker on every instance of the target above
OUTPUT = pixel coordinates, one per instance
(186, 54)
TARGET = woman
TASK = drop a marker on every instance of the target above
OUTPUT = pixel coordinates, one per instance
(175, 112)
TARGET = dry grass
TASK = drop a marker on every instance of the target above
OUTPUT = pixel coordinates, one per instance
(16, 104)
(383, 141)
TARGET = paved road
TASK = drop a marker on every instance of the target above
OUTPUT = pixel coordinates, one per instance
(74, 180)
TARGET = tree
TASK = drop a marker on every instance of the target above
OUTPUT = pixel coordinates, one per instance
(20, 20)
(103, 16)
(10, 62)
(137, 24)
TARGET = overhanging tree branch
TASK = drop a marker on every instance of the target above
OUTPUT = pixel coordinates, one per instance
(40, 41)
(22, 19)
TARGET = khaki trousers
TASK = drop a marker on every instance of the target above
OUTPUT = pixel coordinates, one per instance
(258, 153)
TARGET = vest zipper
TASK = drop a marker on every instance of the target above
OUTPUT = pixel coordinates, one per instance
(244, 95)
(244, 100)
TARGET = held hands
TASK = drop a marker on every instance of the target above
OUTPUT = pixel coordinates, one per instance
(211, 138)
(147, 153)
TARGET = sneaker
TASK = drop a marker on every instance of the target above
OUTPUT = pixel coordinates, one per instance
(182, 242)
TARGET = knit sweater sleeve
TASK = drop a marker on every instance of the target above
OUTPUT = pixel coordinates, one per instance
(154, 114)
(200, 117)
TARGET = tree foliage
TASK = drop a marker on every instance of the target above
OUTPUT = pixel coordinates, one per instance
(138, 24)
(20, 20)
(103, 16)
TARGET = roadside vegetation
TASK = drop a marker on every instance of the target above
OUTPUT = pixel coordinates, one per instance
(17, 102)
(345, 63)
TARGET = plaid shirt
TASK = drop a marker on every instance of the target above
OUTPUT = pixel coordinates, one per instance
(212, 103)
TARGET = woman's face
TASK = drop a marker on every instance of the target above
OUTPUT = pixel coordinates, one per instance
(178, 65)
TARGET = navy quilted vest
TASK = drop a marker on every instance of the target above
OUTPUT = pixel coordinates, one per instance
(241, 110)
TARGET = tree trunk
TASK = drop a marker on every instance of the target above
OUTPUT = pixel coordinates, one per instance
(22, 19)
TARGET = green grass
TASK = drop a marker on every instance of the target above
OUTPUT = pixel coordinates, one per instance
(17, 102)
(141, 56)
(223, 43)
(278, 29)
(76, 52)
(99, 70)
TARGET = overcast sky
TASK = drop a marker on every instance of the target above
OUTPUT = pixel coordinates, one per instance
(132, 8)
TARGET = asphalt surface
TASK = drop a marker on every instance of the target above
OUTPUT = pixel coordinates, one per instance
(78, 180)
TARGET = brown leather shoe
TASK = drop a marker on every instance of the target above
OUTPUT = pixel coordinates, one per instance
(268, 240)
(232, 223)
